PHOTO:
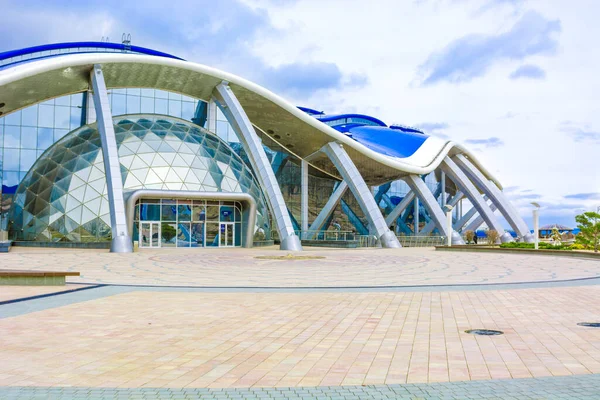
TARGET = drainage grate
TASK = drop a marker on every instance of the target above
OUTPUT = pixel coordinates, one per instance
(484, 332)
(590, 324)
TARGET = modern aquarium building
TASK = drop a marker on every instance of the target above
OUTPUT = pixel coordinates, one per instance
(106, 143)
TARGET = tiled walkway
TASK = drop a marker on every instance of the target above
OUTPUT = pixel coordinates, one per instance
(246, 341)
(568, 388)
(175, 339)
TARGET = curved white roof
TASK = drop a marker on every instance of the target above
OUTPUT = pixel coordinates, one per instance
(299, 133)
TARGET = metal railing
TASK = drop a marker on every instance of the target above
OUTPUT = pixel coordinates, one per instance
(422, 241)
(366, 240)
(343, 236)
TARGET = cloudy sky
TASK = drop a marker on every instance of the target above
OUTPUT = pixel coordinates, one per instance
(514, 80)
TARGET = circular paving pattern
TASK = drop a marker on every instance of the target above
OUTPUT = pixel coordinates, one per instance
(265, 268)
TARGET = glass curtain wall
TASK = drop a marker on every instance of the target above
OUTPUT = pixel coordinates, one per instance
(27, 133)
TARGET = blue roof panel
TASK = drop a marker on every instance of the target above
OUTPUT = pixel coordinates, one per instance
(390, 142)
(74, 45)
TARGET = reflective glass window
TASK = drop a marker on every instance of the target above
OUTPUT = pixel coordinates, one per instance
(222, 128)
(184, 212)
(161, 106)
(238, 234)
(187, 110)
(199, 213)
(77, 99)
(10, 178)
(161, 94)
(63, 101)
(28, 157)
(133, 105)
(147, 105)
(184, 234)
(13, 118)
(169, 212)
(148, 92)
(12, 136)
(75, 121)
(62, 117)
(28, 137)
(197, 234)
(149, 212)
(227, 213)
(119, 104)
(46, 116)
(212, 235)
(11, 160)
(29, 116)
(175, 108)
(59, 133)
(212, 213)
(168, 232)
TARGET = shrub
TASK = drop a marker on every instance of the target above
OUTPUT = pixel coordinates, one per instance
(542, 245)
(492, 236)
(577, 246)
(469, 236)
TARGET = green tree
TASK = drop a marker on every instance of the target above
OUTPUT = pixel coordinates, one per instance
(589, 226)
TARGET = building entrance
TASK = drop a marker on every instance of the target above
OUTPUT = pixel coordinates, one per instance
(149, 234)
(227, 234)
(187, 223)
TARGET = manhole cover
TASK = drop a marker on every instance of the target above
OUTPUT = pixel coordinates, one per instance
(484, 332)
(289, 257)
(590, 324)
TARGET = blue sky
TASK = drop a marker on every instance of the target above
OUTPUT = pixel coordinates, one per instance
(514, 80)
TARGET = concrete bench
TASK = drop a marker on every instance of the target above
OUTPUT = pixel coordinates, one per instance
(34, 278)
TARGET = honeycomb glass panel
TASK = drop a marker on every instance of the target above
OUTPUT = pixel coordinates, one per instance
(63, 196)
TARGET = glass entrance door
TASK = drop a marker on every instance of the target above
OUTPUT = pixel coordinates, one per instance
(149, 234)
(226, 234)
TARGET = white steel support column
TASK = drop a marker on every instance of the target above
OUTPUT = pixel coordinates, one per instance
(431, 205)
(462, 221)
(211, 120)
(467, 187)
(121, 241)
(237, 118)
(496, 196)
(536, 227)
(416, 216)
(399, 209)
(443, 183)
(304, 197)
(473, 226)
(331, 204)
(427, 229)
(362, 193)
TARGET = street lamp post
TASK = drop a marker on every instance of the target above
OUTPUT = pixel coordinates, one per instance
(536, 224)
(448, 210)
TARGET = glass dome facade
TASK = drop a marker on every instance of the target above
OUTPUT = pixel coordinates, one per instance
(63, 197)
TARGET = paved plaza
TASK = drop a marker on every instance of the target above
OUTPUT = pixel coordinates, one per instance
(354, 324)
(338, 268)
